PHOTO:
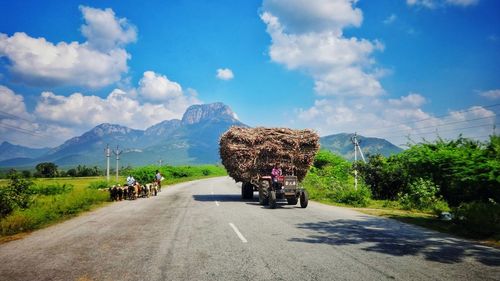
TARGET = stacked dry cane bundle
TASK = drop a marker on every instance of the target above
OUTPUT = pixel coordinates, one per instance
(249, 152)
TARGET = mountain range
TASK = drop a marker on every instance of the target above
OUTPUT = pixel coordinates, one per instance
(194, 139)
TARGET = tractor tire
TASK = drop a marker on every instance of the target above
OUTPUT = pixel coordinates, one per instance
(292, 201)
(263, 193)
(246, 190)
(272, 199)
(263, 197)
(304, 199)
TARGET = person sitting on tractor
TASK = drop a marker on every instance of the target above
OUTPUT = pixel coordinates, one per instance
(275, 174)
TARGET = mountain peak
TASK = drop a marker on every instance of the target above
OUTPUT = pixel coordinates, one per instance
(107, 128)
(205, 112)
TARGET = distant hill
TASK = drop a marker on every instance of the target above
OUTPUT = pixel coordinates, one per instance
(192, 140)
(341, 144)
(10, 151)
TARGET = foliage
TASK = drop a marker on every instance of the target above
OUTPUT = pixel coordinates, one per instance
(170, 173)
(465, 170)
(51, 189)
(330, 179)
(26, 174)
(17, 194)
(84, 171)
(479, 218)
(46, 170)
(422, 195)
(385, 177)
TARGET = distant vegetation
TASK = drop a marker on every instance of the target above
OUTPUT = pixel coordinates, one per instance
(51, 170)
(27, 204)
(461, 176)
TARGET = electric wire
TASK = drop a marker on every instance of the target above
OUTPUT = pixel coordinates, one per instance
(444, 115)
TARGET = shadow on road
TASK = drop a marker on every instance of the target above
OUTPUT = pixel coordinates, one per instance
(217, 197)
(396, 239)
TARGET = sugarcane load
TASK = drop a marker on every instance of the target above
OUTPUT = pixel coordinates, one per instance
(270, 160)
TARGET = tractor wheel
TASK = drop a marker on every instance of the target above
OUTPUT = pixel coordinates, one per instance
(263, 193)
(263, 197)
(272, 199)
(292, 201)
(304, 199)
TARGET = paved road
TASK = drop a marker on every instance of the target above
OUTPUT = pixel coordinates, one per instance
(202, 231)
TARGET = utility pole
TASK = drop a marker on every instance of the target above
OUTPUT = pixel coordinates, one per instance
(108, 155)
(117, 153)
(354, 140)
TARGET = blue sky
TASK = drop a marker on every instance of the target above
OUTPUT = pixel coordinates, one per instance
(382, 68)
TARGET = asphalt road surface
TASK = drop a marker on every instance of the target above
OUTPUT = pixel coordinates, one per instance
(202, 231)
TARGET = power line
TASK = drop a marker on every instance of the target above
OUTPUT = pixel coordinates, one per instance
(19, 129)
(449, 130)
(444, 115)
(14, 116)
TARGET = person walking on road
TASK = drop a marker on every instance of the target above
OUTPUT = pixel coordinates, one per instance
(158, 179)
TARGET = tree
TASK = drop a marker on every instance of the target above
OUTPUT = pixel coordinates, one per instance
(26, 174)
(46, 170)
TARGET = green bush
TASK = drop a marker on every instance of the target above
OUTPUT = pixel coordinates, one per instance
(51, 189)
(422, 194)
(347, 194)
(17, 194)
(330, 179)
(480, 218)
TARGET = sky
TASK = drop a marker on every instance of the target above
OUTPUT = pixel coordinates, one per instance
(403, 70)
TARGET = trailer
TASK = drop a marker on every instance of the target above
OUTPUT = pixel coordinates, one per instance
(248, 154)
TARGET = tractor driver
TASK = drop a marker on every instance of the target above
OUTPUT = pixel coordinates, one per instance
(275, 173)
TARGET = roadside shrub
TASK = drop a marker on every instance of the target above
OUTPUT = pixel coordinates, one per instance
(421, 195)
(7, 203)
(346, 194)
(480, 218)
(17, 194)
(51, 189)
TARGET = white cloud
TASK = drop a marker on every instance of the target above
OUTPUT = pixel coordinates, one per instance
(98, 62)
(118, 107)
(21, 127)
(463, 3)
(411, 100)
(11, 104)
(156, 87)
(393, 119)
(224, 74)
(304, 16)
(432, 4)
(390, 19)
(338, 65)
(56, 118)
(491, 94)
(104, 31)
